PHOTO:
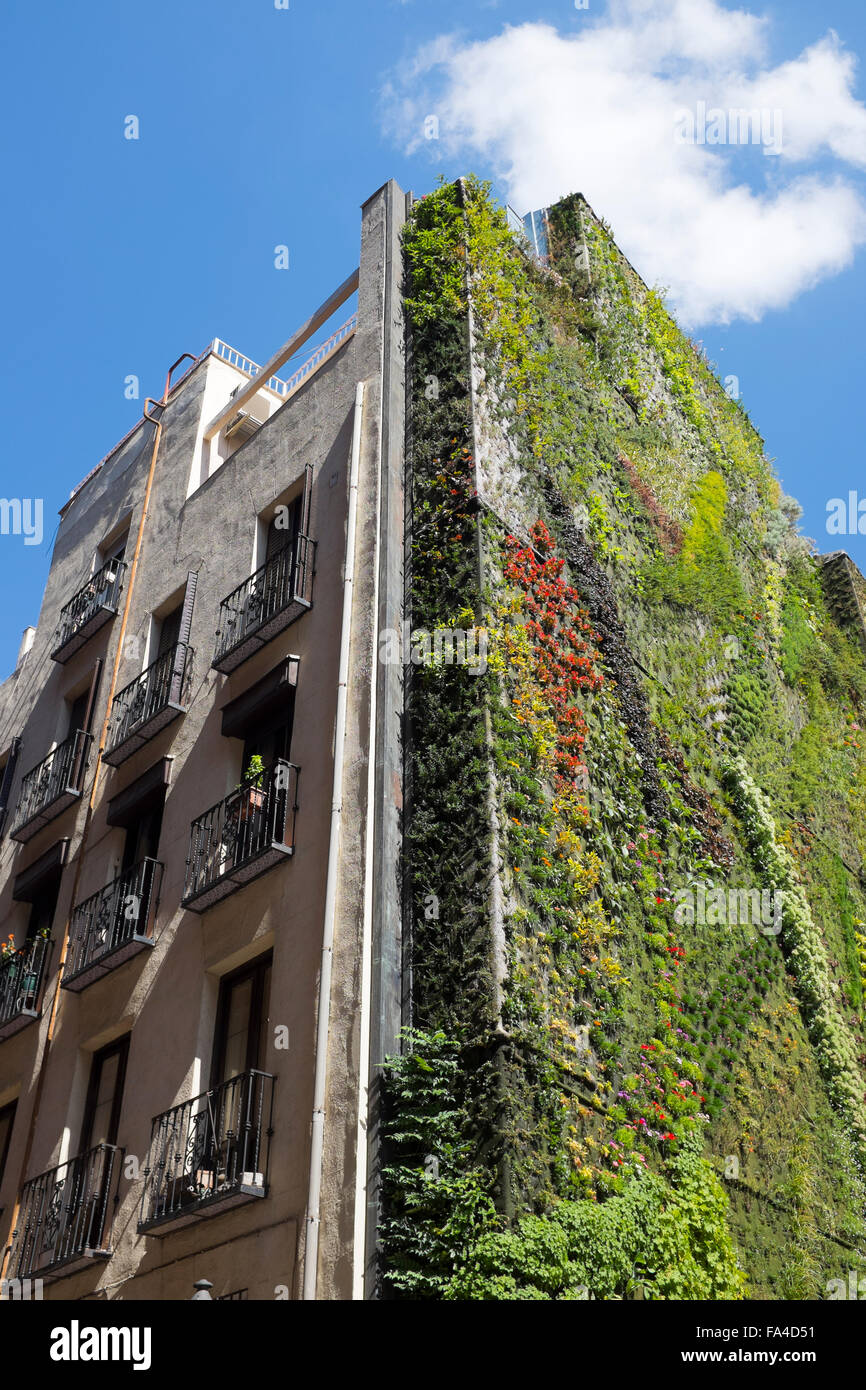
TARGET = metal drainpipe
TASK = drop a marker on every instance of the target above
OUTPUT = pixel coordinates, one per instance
(317, 1144)
(55, 1003)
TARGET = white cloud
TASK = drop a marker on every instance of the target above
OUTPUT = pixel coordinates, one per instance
(731, 230)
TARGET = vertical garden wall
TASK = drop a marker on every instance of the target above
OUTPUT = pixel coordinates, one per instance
(634, 833)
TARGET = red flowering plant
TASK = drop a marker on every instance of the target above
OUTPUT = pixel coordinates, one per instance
(8, 950)
(560, 636)
(565, 980)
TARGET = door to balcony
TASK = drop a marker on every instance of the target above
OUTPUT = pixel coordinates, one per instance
(241, 1035)
(105, 1094)
(211, 1153)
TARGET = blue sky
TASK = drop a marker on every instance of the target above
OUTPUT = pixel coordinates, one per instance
(262, 126)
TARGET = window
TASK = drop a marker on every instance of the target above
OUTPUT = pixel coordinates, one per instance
(7, 1122)
(241, 1037)
(114, 550)
(283, 527)
(276, 582)
(104, 1095)
(42, 908)
(142, 837)
(7, 773)
(268, 743)
(169, 631)
(78, 712)
(264, 714)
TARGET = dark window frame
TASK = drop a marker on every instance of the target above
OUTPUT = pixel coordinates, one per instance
(114, 550)
(120, 1046)
(5, 1110)
(257, 969)
(49, 893)
(144, 831)
(170, 625)
(278, 537)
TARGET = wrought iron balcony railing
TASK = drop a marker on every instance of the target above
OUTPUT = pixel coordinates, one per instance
(150, 702)
(209, 1154)
(95, 604)
(113, 925)
(243, 836)
(266, 603)
(65, 1217)
(52, 785)
(22, 974)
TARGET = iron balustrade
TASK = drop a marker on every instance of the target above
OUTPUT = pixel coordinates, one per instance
(94, 604)
(266, 603)
(210, 1152)
(21, 975)
(149, 703)
(316, 359)
(242, 836)
(113, 924)
(52, 785)
(65, 1213)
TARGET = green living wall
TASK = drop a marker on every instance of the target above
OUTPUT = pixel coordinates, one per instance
(634, 834)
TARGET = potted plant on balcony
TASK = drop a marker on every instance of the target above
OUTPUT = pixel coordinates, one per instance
(8, 952)
(30, 980)
(26, 988)
(253, 797)
(242, 808)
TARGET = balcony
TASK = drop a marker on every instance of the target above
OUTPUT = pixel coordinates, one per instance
(22, 974)
(209, 1154)
(51, 786)
(65, 1217)
(243, 836)
(90, 609)
(113, 925)
(149, 703)
(266, 603)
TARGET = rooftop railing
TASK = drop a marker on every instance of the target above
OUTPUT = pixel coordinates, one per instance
(280, 387)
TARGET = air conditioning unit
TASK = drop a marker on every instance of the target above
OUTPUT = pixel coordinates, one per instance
(243, 426)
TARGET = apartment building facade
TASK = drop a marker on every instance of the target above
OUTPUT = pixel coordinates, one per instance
(200, 786)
